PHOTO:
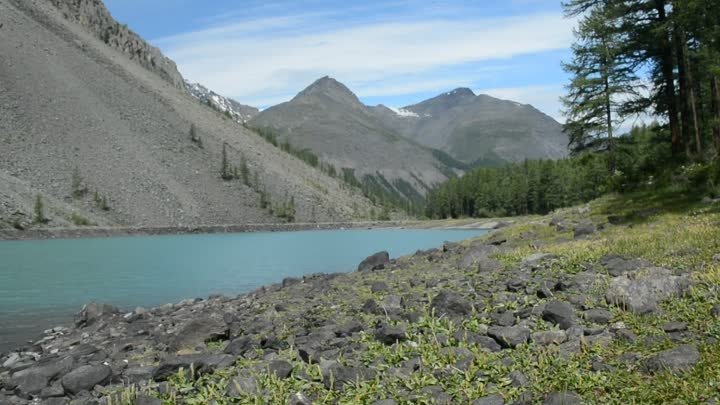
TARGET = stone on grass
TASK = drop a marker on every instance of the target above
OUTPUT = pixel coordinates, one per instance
(451, 304)
(598, 316)
(391, 334)
(559, 313)
(85, 378)
(378, 261)
(563, 398)
(509, 337)
(676, 361)
(642, 293)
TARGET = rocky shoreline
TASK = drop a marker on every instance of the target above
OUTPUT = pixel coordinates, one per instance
(105, 232)
(474, 323)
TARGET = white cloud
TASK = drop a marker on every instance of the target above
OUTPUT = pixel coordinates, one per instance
(243, 61)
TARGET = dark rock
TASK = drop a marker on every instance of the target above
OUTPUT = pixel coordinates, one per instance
(29, 381)
(598, 316)
(518, 379)
(626, 335)
(618, 265)
(671, 327)
(290, 281)
(525, 398)
(348, 328)
(509, 337)
(582, 230)
(559, 313)
(241, 345)
(54, 401)
(147, 400)
(371, 307)
(201, 363)
(643, 293)
(391, 334)
(676, 361)
(563, 398)
(451, 304)
(55, 390)
(135, 375)
(378, 261)
(198, 332)
(93, 311)
(505, 318)
(715, 311)
(338, 376)
(494, 399)
(85, 378)
(479, 256)
(516, 285)
(379, 286)
(281, 368)
(437, 395)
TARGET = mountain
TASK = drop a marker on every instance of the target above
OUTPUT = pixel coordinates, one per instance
(95, 123)
(238, 112)
(480, 130)
(328, 119)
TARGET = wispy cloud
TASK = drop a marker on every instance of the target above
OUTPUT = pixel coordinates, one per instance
(269, 59)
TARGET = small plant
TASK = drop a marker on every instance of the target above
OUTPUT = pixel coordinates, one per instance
(40, 211)
(79, 220)
(101, 201)
(77, 187)
(225, 169)
(194, 137)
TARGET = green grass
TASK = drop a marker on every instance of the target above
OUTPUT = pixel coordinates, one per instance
(680, 235)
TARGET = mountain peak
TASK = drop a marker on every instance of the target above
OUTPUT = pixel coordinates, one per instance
(328, 87)
(461, 92)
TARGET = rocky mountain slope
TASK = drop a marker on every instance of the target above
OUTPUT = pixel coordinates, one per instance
(238, 112)
(330, 120)
(99, 127)
(577, 308)
(479, 129)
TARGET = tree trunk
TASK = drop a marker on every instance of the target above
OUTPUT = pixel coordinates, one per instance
(608, 112)
(716, 110)
(667, 67)
(685, 119)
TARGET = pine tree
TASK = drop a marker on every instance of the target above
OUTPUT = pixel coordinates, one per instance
(40, 210)
(225, 170)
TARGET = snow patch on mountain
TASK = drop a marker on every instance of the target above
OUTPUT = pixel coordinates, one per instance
(238, 112)
(401, 112)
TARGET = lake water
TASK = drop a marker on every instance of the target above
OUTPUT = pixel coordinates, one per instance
(42, 283)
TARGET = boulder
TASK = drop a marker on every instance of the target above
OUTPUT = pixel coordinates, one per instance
(378, 261)
(198, 332)
(90, 313)
(617, 265)
(241, 345)
(676, 361)
(451, 304)
(281, 368)
(559, 313)
(391, 334)
(642, 292)
(84, 378)
(585, 229)
(509, 337)
(337, 376)
(598, 316)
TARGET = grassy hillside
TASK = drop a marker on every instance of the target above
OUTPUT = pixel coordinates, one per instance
(440, 351)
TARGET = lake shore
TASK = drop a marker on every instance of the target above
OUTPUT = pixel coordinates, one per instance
(107, 232)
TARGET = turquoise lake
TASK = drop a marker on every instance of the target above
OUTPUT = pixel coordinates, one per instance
(43, 283)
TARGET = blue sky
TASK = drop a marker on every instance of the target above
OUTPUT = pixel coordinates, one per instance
(391, 52)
